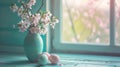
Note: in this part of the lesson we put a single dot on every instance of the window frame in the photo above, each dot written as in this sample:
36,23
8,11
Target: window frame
55,45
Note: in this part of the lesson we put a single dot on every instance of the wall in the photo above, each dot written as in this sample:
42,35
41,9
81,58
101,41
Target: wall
9,36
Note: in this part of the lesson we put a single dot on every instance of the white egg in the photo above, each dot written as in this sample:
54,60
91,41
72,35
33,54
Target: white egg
43,59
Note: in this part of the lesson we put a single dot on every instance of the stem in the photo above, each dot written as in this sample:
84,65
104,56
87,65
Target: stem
41,6
26,9
24,6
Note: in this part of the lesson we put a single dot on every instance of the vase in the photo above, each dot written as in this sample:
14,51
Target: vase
33,46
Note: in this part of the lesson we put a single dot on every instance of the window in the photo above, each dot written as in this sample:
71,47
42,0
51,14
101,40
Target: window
85,21
89,26
117,33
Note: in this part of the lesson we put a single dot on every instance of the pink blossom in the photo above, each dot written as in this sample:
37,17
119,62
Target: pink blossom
89,25
100,22
35,19
106,30
91,12
118,12
54,59
34,29
30,3
38,29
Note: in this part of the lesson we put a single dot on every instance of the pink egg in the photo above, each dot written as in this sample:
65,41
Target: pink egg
54,59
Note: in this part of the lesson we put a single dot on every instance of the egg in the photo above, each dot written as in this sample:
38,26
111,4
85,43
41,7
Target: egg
54,59
46,53
43,59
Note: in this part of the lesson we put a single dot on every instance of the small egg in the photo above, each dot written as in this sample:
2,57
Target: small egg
54,59
46,53
43,59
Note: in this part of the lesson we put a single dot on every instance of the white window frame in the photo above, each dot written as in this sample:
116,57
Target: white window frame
54,36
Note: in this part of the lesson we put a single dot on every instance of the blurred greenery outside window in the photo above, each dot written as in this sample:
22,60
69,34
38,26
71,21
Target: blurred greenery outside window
88,21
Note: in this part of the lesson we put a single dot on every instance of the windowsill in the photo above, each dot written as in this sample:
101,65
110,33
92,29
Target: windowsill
84,60
17,60
67,60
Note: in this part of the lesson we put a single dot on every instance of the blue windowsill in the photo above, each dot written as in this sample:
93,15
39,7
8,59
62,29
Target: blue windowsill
18,60
67,60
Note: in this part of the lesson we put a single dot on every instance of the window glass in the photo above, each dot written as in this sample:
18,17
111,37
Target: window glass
117,22
86,21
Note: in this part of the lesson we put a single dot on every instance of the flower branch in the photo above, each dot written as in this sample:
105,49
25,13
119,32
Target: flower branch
35,23
41,6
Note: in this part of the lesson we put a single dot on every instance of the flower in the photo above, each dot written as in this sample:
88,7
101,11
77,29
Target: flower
35,19
14,7
34,22
54,21
20,10
30,3
23,25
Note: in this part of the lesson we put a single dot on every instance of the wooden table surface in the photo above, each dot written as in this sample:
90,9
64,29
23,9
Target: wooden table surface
67,60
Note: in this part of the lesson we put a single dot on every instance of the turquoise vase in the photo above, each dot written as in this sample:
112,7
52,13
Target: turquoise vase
33,46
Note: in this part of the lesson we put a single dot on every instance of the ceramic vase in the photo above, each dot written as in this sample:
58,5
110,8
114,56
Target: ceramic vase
33,46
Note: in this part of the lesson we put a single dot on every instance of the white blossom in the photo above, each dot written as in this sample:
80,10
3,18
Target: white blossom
53,22
45,19
14,7
52,25
43,30
20,10
23,25
24,15
48,13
